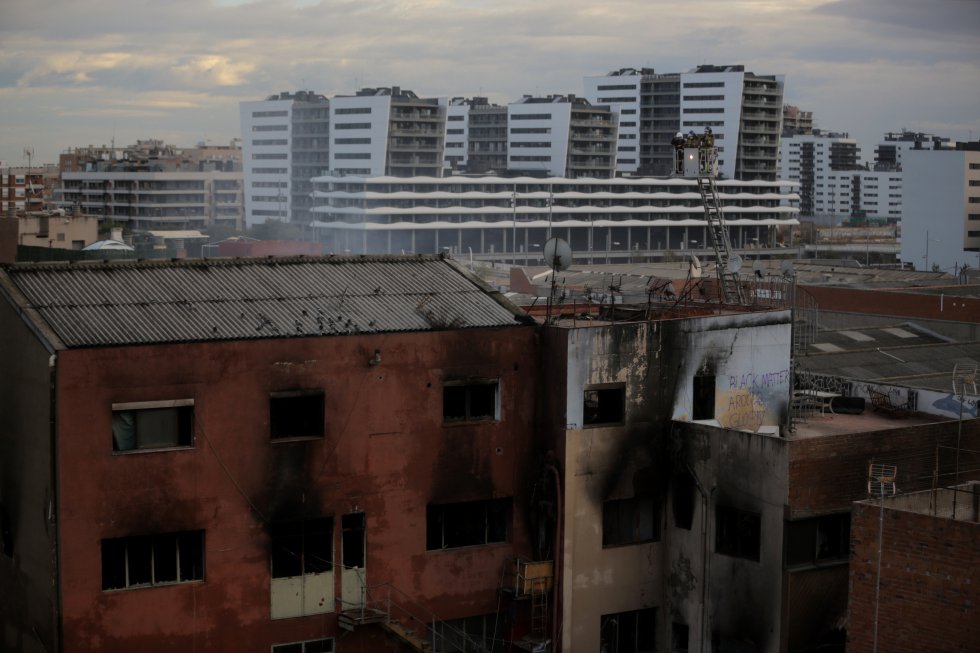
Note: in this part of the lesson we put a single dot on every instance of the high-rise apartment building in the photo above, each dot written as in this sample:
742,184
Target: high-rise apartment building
387,131
620,90
796,121
813,161
889,152
561,136
285,143
742,109
487,137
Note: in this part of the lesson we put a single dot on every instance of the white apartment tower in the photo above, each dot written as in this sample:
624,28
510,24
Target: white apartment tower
820,163
457,134
387,131
742,109
561,136
620,90
285,142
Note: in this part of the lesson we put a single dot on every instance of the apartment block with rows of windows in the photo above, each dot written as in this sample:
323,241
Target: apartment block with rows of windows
561,136
387,131
285,142
742,109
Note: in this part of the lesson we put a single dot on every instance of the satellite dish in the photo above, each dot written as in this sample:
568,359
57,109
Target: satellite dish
734,264
787,267
557,254
695,270
759,268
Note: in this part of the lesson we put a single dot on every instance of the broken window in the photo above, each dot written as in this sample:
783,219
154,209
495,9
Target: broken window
818,540
737,532
471,523
296,414
145,560
352,540
628,632
704,397
153,425
682,500
471,401
606,405
302,547
630,521
309,646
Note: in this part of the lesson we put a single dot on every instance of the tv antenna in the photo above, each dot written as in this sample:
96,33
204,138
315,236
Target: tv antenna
558,256
881,483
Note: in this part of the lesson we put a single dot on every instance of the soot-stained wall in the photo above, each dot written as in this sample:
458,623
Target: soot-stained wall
28,528
386,452
655,364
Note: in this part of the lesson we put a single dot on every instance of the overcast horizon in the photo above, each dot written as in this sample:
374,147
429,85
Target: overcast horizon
74,74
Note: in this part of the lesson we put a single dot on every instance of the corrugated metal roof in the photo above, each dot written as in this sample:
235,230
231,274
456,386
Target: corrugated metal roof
130,302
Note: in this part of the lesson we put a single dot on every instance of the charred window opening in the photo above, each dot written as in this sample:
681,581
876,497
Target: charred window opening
818,540
310,646
737,532
153,425
6,534
471,523
477,633
146,560
471,401
679,636
628,632
352,540
604,406
704,396
630,521
296,414
302,547
683,499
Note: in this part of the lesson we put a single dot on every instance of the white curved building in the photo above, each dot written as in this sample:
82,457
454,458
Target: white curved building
612,218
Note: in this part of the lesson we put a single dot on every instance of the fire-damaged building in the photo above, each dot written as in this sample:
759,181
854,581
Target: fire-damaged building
311,454
230,455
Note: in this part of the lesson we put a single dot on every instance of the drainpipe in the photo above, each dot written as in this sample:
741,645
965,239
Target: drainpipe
557,556
705,503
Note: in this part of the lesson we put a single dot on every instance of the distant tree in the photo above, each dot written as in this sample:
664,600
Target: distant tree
277,230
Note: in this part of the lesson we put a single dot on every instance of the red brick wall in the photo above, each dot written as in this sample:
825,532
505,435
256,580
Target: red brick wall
386,453
904,304
828,472
930,583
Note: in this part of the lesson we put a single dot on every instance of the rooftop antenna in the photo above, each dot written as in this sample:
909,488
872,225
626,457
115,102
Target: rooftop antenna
881,483
558,256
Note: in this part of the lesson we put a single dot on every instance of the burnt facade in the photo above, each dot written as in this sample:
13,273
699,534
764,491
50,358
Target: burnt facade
226,491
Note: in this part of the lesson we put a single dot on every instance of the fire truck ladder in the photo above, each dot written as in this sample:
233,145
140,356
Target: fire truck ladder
731,288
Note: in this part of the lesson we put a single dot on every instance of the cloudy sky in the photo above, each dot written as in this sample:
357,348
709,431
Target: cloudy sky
80,72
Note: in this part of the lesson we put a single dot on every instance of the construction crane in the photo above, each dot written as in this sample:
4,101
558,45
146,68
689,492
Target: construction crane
696,157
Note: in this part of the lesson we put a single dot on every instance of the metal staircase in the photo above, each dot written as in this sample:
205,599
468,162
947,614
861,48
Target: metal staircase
731,287
407,621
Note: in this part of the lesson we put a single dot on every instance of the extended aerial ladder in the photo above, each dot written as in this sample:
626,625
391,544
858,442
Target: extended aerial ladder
697,158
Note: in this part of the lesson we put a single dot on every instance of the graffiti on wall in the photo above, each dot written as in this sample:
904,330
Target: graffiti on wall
752,400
